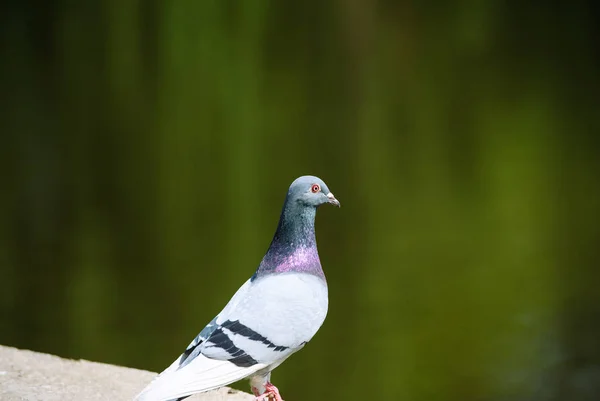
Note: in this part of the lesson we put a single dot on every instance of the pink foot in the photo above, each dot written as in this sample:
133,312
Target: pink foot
271,394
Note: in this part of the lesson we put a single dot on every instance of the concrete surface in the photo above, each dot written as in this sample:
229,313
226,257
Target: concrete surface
27,375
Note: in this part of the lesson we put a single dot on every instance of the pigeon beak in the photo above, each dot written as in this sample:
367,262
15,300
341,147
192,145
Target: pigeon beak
332,200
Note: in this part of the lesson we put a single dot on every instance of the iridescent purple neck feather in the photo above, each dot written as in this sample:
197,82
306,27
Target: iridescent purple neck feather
294,246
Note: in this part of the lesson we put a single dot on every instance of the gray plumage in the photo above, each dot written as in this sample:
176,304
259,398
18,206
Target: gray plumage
274,314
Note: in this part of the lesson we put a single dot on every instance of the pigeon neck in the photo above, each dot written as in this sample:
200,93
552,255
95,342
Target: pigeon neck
294,246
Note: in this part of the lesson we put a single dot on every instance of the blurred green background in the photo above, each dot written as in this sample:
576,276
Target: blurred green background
147,147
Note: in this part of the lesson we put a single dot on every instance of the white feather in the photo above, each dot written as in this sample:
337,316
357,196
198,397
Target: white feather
287,309
202,374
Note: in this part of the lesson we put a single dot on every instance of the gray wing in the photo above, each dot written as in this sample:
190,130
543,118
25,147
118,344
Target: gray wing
216,341
193,350
226,338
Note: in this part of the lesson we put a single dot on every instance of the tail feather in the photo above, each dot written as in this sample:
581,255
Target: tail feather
202,374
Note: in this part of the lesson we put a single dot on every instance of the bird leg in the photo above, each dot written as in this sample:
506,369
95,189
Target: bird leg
271,393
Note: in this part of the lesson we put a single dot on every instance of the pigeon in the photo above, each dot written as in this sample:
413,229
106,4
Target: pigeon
273,314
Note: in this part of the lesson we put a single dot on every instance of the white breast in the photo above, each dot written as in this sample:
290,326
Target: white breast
286,308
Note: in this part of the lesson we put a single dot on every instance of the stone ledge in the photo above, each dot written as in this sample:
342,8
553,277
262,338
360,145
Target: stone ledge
28,375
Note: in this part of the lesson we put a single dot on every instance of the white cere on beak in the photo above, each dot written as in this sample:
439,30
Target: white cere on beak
332,200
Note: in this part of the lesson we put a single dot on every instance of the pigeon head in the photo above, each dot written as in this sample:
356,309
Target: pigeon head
294,246
310,191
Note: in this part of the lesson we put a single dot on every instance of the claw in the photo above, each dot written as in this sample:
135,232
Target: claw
271,393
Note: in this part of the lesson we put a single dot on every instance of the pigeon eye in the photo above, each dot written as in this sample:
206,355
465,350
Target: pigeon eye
315,188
